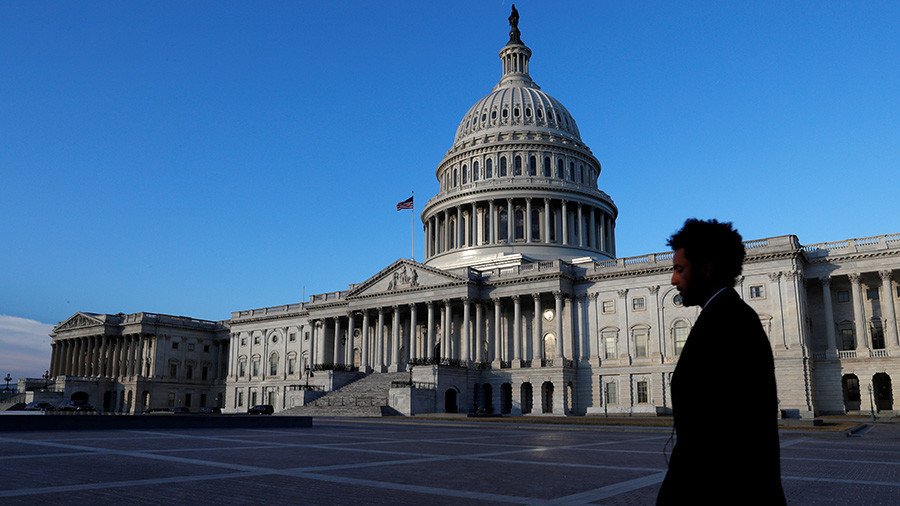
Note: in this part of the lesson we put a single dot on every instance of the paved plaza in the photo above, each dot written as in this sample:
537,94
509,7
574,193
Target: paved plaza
410,462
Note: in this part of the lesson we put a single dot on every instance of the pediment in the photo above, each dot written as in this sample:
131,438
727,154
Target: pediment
79,320
405,275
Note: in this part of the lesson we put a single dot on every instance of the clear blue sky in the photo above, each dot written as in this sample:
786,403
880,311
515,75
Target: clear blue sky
196,158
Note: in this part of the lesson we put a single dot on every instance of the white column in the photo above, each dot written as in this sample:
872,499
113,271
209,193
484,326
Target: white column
492,229
429,344
498,352
536,353
580,227
528,219
565,224
559,326
510,222
546,236
479,339
592,243
364,352
473,226
593,327
414,351
517,331
464,334
337,341
395,339
888,312
379,341
348,346
859,314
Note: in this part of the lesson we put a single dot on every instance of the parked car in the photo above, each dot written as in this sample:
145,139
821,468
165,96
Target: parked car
84,407
211,411
180,410
66,406
39,406
261,409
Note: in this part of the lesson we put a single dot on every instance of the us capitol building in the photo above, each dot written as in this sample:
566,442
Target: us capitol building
520,306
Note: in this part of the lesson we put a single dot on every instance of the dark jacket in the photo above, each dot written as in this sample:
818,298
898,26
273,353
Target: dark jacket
725,407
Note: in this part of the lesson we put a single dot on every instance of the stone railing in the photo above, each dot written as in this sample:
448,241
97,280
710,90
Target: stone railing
664,259
874,243
330,296
311,388
879,353
847,353
420,385
529,268
265,311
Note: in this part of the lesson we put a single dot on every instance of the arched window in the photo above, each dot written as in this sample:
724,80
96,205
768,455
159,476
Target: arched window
502,232
455,174
273,364
489,168
475,170
535,224
532,165
465,174
520,224
609,342
517,166
502,167
571,174
559,169
452,232
848,337
547,168
679,335
580,174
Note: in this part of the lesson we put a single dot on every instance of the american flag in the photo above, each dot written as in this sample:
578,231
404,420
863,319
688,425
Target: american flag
406,204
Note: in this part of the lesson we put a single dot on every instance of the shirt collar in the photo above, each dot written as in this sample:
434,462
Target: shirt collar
714,296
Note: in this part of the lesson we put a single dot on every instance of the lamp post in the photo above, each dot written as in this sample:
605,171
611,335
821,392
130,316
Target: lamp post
872,402
46,377
308,374
8,378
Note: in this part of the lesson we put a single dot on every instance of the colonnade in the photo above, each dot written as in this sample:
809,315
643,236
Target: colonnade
520,220
506,331
100,356
864,345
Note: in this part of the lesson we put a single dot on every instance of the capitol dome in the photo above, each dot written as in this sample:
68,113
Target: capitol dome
518,184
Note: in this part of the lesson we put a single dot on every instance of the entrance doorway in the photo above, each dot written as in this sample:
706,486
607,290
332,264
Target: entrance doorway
80,398
881,387
450,401
547,397
505,398
527,395
850,387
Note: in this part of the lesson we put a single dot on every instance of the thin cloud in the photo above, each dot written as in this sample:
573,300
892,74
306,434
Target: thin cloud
24,347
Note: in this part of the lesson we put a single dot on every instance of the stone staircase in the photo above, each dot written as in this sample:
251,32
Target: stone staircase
365,397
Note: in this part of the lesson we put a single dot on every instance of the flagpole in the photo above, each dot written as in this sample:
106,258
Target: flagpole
412,227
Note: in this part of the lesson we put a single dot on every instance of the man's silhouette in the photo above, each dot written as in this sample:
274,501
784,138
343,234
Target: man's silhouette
724,399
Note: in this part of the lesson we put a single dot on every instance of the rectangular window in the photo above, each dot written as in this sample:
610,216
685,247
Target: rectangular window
256,340
641,342
202,400
187,400
273,367
204,373
611,393
292,337
170,401
254,368
173,370
843,296
847,341
205,348
174,345
643,396
679,335
609,306
243,341
190,346
877,337
756,292
189,372
253,397
637,303
872,294
240,397
242,368
292,365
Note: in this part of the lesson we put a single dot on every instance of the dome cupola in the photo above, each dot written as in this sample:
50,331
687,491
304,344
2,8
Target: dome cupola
518,184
